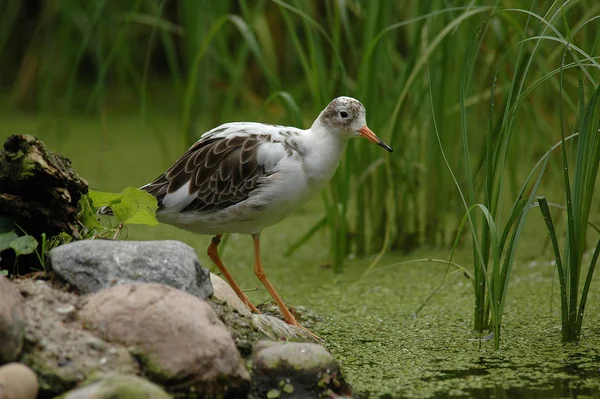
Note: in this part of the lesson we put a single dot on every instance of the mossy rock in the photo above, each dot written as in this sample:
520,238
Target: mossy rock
296,370
115,386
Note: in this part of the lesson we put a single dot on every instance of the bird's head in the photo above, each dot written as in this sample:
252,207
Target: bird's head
347,117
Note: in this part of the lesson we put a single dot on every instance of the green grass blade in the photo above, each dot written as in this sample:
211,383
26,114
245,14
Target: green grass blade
543,203
586,289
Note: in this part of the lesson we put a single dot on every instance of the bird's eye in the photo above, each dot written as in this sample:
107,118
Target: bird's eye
344,114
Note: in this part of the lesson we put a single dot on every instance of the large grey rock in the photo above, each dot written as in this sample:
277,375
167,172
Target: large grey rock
18,381
179,339
115,386
12,324
56,347
92,265
296,370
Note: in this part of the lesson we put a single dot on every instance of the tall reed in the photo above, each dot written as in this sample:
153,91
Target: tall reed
579,180
495,237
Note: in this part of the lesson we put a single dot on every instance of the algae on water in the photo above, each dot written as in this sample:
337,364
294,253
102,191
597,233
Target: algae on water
386,349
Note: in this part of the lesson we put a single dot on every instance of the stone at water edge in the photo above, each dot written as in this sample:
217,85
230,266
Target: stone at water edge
18,381
115,386
180,340
224,292
296,370
267,326
93,265
12,322
278,330
57,348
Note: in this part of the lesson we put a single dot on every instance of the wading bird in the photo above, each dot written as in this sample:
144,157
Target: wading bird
242,177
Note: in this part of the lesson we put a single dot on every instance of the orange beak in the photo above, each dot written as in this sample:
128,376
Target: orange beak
369,135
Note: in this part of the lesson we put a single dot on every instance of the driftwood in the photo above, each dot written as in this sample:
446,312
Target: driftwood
39,190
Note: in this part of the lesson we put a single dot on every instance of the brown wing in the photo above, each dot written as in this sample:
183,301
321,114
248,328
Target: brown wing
222,172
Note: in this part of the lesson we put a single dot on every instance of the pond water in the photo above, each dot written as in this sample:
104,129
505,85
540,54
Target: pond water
393,337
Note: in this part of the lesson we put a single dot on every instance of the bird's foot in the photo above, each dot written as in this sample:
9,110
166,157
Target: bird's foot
293,322
251,306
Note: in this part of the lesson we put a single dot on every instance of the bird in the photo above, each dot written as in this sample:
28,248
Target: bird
242,177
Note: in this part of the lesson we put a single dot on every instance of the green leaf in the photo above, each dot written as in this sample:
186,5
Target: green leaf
87,213
6,239
132,206
136,207
100,198
24,245
4,273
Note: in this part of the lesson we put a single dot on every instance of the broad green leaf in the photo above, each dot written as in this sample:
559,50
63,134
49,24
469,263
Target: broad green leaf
24,245
136,207
3,272
6,239
87,213
100,198
132,206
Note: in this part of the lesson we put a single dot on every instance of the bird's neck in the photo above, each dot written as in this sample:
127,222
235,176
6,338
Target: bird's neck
323,158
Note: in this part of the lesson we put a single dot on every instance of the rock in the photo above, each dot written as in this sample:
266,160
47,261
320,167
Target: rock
12,323
246,331
278,330
18,381
243,332
225,293
92,265
56,347
298,370
114,386
179,339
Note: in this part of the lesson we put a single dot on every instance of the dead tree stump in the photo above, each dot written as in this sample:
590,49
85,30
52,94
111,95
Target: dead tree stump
39,190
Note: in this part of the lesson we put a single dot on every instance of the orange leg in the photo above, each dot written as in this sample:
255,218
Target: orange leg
213,254
260,273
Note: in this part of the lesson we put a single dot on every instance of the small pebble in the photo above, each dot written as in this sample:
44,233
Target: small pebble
273,394
96,344
65,309
288,388
63,361
18,381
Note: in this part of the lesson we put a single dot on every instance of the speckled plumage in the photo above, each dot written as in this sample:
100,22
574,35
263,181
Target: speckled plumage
242,177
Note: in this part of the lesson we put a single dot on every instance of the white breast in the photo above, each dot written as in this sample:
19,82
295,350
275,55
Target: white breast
293,177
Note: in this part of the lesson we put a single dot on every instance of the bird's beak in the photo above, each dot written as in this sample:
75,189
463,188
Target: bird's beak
369,135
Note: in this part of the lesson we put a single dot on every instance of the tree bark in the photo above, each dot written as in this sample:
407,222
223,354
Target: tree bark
39,191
